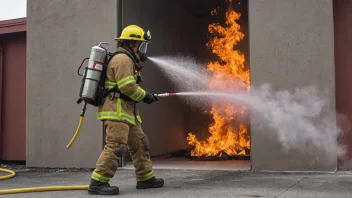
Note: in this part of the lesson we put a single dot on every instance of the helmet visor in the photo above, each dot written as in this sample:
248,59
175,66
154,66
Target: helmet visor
143,47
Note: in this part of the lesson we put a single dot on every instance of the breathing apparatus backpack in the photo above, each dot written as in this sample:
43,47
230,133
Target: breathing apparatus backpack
93,89
93,80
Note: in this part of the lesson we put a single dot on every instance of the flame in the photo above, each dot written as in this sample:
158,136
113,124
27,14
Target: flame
228,133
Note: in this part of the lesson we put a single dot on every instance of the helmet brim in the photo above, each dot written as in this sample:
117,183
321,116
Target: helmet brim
129,39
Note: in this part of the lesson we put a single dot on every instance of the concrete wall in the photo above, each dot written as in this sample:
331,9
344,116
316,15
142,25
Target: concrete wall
60,35
165,122
291,45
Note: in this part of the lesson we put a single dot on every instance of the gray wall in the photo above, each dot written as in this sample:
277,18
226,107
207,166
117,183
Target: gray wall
60,34
291,45
165,122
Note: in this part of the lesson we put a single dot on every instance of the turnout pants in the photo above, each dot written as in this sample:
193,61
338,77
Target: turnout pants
121,137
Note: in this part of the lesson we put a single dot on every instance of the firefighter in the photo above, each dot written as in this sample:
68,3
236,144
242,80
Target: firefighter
122,120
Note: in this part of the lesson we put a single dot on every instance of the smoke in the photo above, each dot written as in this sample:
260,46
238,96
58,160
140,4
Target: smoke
303,119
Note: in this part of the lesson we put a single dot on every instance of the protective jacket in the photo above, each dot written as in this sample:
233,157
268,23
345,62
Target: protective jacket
121,72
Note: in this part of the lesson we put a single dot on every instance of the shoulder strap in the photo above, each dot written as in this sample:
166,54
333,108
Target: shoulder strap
120,52
107,91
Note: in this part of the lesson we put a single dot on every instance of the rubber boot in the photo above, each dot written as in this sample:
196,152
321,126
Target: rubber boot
150,183
100,188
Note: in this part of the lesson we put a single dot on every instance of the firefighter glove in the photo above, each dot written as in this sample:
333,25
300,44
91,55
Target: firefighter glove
150,98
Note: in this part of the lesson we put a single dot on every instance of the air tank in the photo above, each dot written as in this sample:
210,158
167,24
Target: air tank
92,75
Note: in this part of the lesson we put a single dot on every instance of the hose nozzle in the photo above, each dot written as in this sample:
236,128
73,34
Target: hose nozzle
165,94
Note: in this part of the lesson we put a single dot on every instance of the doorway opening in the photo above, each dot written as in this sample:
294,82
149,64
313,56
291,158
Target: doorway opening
217,136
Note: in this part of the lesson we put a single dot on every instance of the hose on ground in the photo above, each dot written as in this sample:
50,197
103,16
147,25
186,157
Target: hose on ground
12,174
35,189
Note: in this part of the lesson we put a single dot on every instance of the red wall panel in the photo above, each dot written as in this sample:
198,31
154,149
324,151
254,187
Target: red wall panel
1,74
343,64
13,110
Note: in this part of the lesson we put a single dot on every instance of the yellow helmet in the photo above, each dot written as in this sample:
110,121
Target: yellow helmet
134,32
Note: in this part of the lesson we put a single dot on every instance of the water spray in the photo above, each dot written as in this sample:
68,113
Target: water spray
196,94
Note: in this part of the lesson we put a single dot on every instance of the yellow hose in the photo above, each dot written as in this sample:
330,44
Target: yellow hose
35,189
12,174
77,132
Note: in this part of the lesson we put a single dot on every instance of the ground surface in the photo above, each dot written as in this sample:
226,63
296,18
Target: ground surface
191,183
179,163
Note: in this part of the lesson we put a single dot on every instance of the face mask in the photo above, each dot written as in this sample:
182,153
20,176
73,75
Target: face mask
142,51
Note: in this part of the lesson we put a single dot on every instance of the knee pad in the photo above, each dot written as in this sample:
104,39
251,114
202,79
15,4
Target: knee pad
121,150
146,143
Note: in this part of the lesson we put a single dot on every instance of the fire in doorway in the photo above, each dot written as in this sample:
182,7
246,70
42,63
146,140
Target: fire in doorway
229,136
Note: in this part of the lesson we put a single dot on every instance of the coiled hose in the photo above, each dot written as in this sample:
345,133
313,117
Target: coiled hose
45,188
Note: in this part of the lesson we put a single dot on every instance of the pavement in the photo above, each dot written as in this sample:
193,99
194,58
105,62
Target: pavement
191,183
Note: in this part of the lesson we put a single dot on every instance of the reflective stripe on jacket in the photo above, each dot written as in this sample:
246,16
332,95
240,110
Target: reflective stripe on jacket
121,72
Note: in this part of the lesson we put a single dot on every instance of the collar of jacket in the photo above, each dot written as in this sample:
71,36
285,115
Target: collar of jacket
122,49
